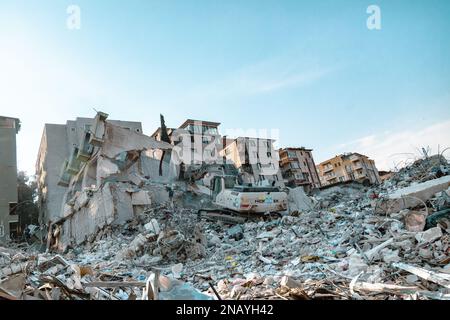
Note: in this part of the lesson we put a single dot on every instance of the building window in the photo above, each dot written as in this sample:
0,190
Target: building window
73,129
269,154
13,208
304,162
261,177
295,165
210,130
205,140
13,229
275,177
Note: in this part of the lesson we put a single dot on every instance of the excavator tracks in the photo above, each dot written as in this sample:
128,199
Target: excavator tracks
232,217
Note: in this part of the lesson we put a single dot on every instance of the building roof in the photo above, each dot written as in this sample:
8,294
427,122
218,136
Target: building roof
206,123
253,138
16,120
345,155
169,131
295,149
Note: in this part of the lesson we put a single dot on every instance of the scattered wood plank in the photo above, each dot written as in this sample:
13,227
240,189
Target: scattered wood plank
113,284
384,287
439,278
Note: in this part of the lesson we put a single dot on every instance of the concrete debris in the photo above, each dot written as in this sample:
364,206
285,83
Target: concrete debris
429,236
128,239
413,195
415,220
299,200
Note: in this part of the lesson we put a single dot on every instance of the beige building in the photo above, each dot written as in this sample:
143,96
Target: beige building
62,146
348,167
256,159
298,168
9,221
195,141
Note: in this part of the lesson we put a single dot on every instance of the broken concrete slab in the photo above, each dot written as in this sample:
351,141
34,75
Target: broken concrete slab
137,179
429,236
412,196
298,200
119,140
153,227
439,278
141,198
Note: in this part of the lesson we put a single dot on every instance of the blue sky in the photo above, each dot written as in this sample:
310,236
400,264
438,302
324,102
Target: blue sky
311,69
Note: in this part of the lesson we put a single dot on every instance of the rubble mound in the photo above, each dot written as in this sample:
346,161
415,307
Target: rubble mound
346,242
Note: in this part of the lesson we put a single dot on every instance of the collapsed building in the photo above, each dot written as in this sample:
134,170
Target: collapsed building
62,147
99,182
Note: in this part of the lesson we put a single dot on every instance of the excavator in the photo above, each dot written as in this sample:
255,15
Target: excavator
236,203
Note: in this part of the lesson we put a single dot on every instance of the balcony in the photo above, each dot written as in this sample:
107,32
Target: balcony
360,175
330,176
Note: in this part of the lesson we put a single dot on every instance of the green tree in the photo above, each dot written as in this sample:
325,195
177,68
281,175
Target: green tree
27,209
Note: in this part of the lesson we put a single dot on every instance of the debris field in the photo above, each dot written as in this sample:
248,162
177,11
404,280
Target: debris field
347,241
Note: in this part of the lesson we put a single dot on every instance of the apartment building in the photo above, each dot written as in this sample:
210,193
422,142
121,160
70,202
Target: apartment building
348,167
195,141
61,148
256,159
298,168
9,221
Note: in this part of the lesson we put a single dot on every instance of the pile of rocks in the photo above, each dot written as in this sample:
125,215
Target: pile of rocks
345,242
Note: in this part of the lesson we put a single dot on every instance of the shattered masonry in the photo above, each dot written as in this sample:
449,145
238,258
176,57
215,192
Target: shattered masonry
126,232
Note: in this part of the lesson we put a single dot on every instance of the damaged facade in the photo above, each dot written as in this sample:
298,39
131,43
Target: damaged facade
298,168
64,145
256,159
9,223
197,141
348,167
99,183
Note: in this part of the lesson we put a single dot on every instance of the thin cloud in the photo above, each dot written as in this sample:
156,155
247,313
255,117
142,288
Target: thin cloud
391,149
261,78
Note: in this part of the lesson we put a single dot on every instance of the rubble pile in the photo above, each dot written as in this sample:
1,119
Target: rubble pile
346,242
